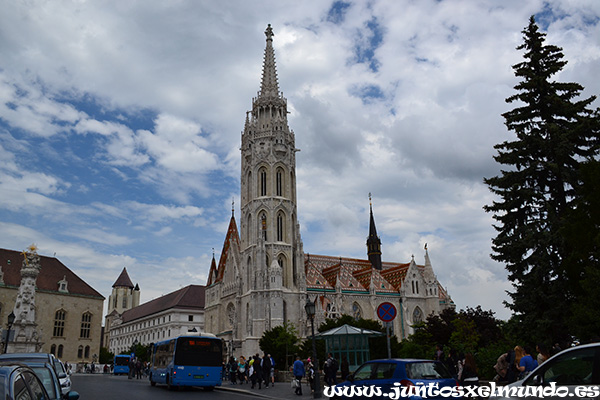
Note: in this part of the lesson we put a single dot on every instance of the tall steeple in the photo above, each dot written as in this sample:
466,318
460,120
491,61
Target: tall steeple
373,241
269,87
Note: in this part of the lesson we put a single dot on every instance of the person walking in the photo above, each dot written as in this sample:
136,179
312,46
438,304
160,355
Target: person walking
299,373
256,374
266,369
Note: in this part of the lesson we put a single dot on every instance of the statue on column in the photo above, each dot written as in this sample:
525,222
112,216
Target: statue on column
26,336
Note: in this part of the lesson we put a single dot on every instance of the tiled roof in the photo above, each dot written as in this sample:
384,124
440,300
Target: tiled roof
190,297
323,272
51,273
231,238
123,280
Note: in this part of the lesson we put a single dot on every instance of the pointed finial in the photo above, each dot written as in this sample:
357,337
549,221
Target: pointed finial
425,246
269,32
232,207
213,249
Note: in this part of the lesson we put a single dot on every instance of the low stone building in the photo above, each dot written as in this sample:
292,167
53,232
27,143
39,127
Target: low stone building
178,313
68,311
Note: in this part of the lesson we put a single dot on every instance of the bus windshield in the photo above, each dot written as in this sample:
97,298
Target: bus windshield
198,351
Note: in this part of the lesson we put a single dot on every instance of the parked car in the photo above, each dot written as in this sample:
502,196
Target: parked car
37,361
20,382
574,371
385,373
65,382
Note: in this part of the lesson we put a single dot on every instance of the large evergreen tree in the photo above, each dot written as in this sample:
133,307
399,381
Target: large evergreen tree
538,187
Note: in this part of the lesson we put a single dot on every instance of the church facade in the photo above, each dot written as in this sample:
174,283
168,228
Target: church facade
264,278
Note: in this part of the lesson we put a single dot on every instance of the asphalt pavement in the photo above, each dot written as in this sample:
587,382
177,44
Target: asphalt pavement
281,390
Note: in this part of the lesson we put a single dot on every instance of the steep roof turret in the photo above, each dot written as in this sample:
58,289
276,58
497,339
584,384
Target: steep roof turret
123,280
373,241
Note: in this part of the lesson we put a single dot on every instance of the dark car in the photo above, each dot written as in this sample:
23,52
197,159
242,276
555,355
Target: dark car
20,382
45,366
381,378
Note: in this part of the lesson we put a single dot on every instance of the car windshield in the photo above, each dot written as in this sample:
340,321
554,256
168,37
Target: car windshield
46,377
427,370
375,370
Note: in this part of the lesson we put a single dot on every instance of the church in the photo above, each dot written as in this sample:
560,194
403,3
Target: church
264,278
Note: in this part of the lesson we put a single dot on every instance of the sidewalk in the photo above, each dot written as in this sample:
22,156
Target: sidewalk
281,390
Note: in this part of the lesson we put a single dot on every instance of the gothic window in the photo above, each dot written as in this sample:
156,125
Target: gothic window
87,351
417,315
280,230
263,225
356,311
124,302
80,352
249,187
263,182
248,225
417,286
413,286
53,349
115,301
59,323
279,182
60,351
86,325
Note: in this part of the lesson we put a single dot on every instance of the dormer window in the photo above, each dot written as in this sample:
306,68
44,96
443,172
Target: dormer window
63,285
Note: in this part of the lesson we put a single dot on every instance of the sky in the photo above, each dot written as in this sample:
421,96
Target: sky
121,121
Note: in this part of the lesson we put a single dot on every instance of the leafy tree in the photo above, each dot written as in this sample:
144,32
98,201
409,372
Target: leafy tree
282,343
106,357
538,188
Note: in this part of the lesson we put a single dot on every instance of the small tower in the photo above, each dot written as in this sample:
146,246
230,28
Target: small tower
125,295
373,241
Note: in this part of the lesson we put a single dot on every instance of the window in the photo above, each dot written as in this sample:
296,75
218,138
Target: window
263,182
280,227
190,318
86,326
417,316
53,349
124,302
60,351
279,183
59,323
115,302
87,351
263,225
80,352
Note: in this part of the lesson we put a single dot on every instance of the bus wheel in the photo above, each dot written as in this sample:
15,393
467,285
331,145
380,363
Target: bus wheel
152,383
169,386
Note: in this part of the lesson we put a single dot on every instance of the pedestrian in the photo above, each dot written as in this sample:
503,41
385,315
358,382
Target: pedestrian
451,363
266,369
299,373
543,353
469,376
311,375
232,370
242,370
330,369
345,368
527,363
272,372
257,372
439,353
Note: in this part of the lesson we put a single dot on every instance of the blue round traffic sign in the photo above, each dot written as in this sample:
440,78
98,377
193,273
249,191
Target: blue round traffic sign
386,312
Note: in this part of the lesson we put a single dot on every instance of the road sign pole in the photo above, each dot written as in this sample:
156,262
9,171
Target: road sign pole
387,333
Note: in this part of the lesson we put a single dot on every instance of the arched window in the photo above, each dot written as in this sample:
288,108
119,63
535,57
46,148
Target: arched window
60,351
87,351
80,352
417,315
279,182
125,302
59,323
280,229
356,311
263,225
53,349
263,182
86,325
249,187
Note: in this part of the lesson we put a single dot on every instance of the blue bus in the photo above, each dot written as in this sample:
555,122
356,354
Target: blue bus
121,364
188,361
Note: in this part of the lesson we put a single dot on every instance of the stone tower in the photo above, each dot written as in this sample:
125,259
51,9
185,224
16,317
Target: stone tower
264,285
124,296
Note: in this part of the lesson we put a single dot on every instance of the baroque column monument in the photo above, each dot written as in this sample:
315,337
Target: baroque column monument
26,338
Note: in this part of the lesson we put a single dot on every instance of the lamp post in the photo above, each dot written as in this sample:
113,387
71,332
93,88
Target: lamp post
11,321
310,312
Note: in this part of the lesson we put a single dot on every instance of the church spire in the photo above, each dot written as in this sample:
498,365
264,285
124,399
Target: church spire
373,241
269,87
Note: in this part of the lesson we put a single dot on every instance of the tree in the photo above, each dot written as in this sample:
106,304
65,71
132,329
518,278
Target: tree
282,343
539,187
106,357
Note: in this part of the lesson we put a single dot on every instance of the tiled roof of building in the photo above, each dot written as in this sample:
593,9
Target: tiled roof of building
231,238
51,273
190,297
123,280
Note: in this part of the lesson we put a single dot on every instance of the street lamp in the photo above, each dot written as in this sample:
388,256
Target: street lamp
311,311
11,321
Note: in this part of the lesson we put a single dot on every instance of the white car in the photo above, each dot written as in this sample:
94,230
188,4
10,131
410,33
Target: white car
65,381
574,372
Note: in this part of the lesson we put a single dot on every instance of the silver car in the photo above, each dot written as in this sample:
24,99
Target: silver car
574,372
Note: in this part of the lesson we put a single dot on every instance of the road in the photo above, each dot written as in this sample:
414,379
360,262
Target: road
101,386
